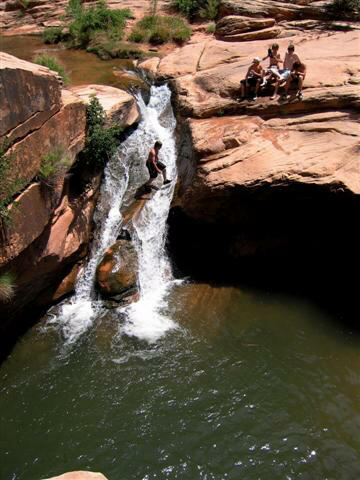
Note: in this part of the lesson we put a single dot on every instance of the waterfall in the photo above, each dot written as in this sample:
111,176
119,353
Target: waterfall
144,319
147,319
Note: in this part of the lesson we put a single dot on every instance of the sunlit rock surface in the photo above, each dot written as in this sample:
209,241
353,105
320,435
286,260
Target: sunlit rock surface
120,107
79,476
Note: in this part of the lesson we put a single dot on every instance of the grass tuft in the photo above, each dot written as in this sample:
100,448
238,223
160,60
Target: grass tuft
10,184
52,63
7,287
52,35
160,29
211,28
53,166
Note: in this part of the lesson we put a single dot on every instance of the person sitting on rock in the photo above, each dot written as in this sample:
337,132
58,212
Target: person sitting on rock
272,73
298,74
289,60
253,78
155,167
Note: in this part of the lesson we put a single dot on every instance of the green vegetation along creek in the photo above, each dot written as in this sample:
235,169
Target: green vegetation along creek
250,385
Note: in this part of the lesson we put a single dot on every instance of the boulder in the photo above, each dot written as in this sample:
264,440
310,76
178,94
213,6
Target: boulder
79,476
116,274
279,10
120,107
234,25
263,34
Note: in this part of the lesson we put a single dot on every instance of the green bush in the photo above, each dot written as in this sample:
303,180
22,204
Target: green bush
101,141
53,165
87,21
107,47
52,63
7,287
53,35
210,10
211,28
160,29
344,9
187,7
24,4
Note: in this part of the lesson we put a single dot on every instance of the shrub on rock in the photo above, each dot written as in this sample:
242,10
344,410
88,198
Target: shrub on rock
160,29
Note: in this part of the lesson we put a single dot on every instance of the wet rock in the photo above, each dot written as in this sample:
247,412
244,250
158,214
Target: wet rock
116,274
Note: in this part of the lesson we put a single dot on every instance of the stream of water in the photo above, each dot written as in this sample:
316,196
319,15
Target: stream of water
190,382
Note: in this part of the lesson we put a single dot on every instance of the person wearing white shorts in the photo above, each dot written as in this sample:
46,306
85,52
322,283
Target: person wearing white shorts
289,60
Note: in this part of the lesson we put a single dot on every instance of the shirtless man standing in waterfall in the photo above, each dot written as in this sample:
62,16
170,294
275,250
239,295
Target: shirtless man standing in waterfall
155,167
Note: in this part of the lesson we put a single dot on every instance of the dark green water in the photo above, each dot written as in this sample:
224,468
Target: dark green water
252,385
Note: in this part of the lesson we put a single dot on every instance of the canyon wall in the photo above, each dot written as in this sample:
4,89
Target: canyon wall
46,225
268,189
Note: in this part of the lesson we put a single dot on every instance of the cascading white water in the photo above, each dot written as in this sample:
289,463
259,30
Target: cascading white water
145,319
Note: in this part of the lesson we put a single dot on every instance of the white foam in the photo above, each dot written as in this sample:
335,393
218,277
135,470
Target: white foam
146,319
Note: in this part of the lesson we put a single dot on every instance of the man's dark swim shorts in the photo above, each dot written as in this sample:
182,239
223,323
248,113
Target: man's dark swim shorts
152,170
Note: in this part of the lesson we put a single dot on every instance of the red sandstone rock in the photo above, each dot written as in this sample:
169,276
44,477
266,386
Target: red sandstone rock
263,34
79,476
120,107
274,9
65,129
248,153
117,271
213,86
29,214
235,25
29,95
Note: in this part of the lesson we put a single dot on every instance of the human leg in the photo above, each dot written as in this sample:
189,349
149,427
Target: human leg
300,86
242,88
162,167
277,84
257,86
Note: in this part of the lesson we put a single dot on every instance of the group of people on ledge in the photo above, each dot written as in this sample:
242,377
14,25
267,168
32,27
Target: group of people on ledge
292,71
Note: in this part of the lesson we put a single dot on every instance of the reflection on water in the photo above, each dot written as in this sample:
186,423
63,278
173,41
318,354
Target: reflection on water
82,67
252,385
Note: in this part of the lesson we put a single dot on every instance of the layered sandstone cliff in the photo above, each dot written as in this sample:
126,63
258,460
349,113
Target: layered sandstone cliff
270,182
46,226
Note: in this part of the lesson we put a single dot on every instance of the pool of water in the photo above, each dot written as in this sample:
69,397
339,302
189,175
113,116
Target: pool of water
82,67
249,385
